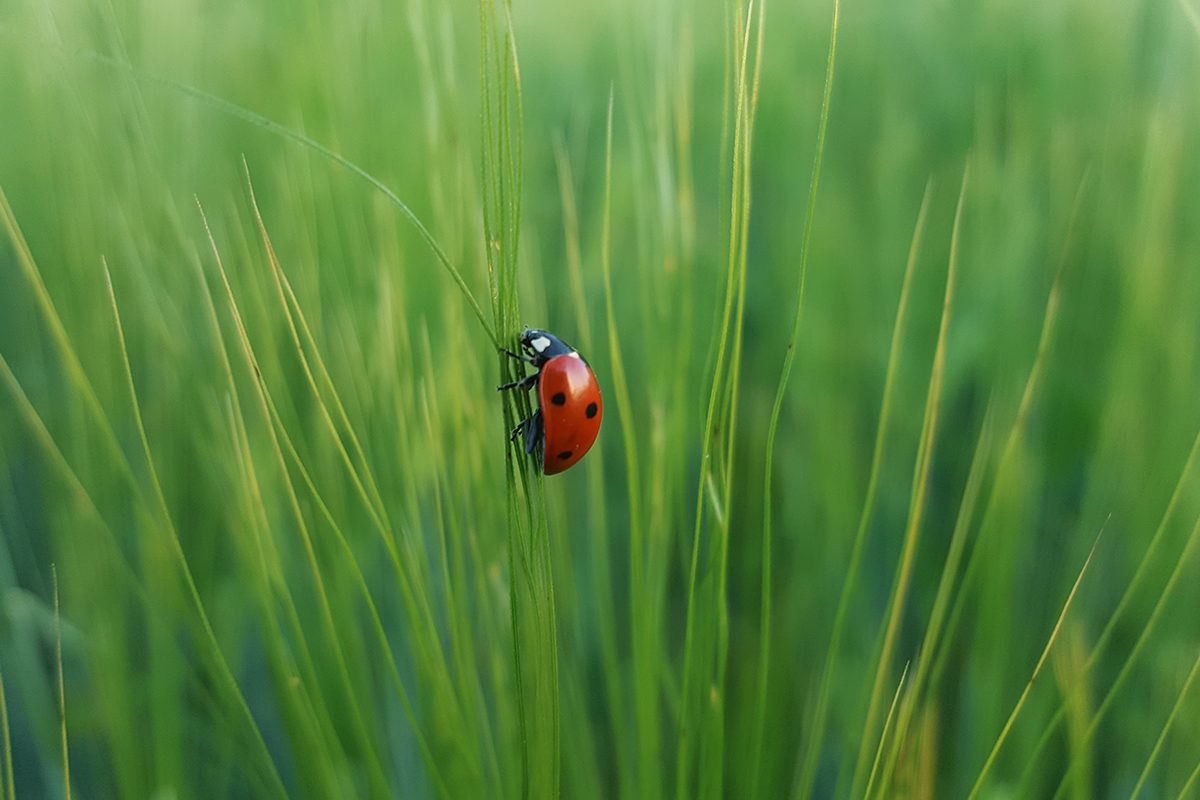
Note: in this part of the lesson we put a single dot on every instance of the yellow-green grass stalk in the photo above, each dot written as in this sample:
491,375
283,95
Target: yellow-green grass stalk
1140,574
10,785
1187,684
375,774
1004,471
920,482
987,765
62,692
1127,666
419,619
599,551
1189,783
887,729
737,250
699,613
269,774
816,732
378,515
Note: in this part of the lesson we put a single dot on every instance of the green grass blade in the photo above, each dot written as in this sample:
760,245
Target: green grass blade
375,772
1127,666
284,132
79,378
720,386
62,692
9,783
764,644
958,539
816,734
887,728
1139,575
1187,684
1189,783
987,765
1011,445
921,468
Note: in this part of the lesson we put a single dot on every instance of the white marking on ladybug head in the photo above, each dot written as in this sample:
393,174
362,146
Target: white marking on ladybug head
574,354
540,343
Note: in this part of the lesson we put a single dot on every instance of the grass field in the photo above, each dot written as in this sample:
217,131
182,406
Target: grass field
896,493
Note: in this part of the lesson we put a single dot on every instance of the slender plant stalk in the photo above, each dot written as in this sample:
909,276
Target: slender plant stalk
685,732
1187,684
9,783
1143,637
816,733
284,132
887,727
765,619
79,378
738,250
987,765
738,246
645,703
962,525
374,765
1189,783
1102,641
916,507
62,693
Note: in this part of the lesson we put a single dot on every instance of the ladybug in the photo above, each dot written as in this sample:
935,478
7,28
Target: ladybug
569,410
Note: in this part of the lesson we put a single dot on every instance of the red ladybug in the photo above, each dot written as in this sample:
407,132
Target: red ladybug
569,407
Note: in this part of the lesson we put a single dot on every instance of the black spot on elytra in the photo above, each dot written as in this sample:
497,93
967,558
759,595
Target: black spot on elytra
591,410
564,455
559,399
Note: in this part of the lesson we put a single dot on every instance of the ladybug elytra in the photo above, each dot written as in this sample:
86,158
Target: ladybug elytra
569,411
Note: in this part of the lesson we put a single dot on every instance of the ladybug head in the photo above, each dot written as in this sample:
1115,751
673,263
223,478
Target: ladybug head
542,346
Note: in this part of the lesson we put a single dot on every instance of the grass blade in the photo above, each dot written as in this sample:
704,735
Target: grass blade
765,622
62,693
1139,575
987,765
887,727
284,132
816,733
1187,684
921,468
79,378
1143,637
9,782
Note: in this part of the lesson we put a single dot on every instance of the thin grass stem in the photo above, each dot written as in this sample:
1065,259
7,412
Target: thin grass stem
62,692
887,727
10,783
816,733
1187,684
921,468
987,765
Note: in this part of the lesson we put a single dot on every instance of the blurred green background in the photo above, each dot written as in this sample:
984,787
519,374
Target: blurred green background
323,574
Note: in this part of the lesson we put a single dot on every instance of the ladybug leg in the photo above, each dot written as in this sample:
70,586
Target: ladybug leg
525,383
535,430
508,352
